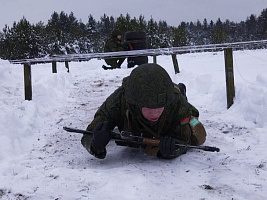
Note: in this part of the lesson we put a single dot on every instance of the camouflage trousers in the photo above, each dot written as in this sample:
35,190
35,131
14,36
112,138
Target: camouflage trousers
115,63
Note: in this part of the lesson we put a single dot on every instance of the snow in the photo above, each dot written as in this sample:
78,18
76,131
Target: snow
38,160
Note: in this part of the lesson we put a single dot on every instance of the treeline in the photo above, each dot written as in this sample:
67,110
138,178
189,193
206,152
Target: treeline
65,34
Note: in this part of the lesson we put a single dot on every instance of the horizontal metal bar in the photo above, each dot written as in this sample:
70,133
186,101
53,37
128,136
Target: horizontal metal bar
144,52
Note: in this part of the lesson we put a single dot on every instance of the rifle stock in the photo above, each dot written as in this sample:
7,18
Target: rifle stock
128,137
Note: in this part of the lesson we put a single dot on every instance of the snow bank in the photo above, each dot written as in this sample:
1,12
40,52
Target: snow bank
251,102
22,120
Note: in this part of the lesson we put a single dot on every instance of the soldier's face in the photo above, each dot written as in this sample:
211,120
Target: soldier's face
152,114
119,37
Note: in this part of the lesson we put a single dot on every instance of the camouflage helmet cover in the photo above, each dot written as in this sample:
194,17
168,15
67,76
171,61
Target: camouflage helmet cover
149,85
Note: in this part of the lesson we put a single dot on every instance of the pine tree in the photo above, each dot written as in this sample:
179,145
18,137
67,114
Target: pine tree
199,33
205,24
153,40
5,43
134,25
251,28
54,35
142,23
263,24
20,41
123,24
39,30
180,35
106,26
219,34
164,34
205,32
92,36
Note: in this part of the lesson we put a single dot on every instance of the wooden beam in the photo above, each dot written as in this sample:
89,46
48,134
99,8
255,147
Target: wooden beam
67,65
27,81
229,74
54,67
155,59
175,64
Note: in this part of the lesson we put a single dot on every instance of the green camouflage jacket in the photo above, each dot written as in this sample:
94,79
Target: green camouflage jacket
113,45
127,117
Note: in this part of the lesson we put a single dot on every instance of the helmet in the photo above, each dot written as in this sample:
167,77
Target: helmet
149,85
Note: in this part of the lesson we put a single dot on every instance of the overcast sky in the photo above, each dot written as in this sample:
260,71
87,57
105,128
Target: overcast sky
172,11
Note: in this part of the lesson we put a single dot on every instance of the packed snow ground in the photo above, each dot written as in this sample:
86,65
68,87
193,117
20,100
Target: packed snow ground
38,160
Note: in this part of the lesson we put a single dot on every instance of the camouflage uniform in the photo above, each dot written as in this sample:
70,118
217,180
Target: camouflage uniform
113,45
121,111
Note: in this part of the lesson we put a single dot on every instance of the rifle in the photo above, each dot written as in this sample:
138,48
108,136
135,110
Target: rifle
126,136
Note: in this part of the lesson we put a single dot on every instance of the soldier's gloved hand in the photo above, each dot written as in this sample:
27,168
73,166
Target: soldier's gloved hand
167,146
101,137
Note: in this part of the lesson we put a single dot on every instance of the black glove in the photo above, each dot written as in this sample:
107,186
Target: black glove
168,150
101,137
167,146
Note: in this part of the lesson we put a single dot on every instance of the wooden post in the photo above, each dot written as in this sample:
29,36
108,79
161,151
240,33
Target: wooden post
54,67
229,74
67,65
155,59
27,81
175,64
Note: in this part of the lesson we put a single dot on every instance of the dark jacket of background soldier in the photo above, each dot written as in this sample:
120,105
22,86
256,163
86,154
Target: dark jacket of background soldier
128,117
114,44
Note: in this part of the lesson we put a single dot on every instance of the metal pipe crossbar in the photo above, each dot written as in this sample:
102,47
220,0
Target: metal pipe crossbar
145,52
